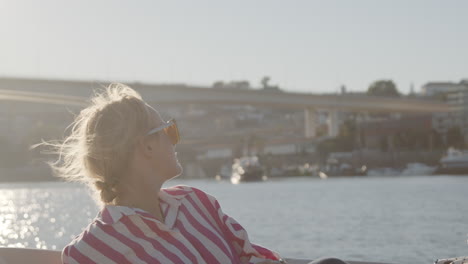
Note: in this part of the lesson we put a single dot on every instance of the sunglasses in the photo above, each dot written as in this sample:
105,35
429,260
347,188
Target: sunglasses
171,130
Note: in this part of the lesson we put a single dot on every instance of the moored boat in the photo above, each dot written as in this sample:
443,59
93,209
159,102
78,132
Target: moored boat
455,162
247,169
334,167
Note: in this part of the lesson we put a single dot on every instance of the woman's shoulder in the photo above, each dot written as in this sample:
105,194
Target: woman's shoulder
80,243
97,238
96,234
97,243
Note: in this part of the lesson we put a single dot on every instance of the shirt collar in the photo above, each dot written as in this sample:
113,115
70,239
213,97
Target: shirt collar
170,199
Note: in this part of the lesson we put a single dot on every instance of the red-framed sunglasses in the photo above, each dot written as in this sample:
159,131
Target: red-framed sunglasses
170,128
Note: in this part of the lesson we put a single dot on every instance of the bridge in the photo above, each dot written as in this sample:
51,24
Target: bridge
76,93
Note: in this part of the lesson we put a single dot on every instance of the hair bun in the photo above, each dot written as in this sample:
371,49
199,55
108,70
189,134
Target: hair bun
107,192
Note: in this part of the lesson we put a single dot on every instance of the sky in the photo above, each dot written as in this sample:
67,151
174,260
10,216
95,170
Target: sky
304,46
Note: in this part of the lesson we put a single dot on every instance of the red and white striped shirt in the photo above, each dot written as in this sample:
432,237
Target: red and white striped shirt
195,231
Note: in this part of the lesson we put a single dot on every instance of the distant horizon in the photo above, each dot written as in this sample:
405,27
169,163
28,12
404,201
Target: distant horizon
303,46
257,87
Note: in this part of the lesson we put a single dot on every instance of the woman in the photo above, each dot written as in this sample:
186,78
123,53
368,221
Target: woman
122,148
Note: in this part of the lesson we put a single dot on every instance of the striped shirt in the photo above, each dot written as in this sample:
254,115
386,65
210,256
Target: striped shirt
195,230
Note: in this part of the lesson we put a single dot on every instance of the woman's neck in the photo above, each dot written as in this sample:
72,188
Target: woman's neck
143,198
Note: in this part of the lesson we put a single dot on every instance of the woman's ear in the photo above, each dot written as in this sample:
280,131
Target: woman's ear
145,147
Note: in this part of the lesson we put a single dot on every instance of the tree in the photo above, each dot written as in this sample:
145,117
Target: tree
218,84
265,81
386,88
267,87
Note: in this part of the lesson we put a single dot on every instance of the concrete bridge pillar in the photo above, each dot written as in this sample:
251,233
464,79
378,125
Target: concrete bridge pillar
333,125
310,124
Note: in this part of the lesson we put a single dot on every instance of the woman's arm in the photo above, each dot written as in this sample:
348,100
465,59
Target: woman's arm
235,233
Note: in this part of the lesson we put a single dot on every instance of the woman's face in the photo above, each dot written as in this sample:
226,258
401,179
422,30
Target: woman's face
164,159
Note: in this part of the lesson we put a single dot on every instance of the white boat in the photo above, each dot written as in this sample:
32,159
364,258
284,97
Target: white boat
417,169
455,162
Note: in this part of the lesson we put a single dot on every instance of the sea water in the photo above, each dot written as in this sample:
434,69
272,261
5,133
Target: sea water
388,219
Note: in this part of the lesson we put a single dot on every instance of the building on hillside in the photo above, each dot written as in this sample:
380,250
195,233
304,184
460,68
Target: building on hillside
434,88
455,94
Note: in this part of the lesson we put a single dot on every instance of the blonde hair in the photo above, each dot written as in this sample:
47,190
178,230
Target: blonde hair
102,140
